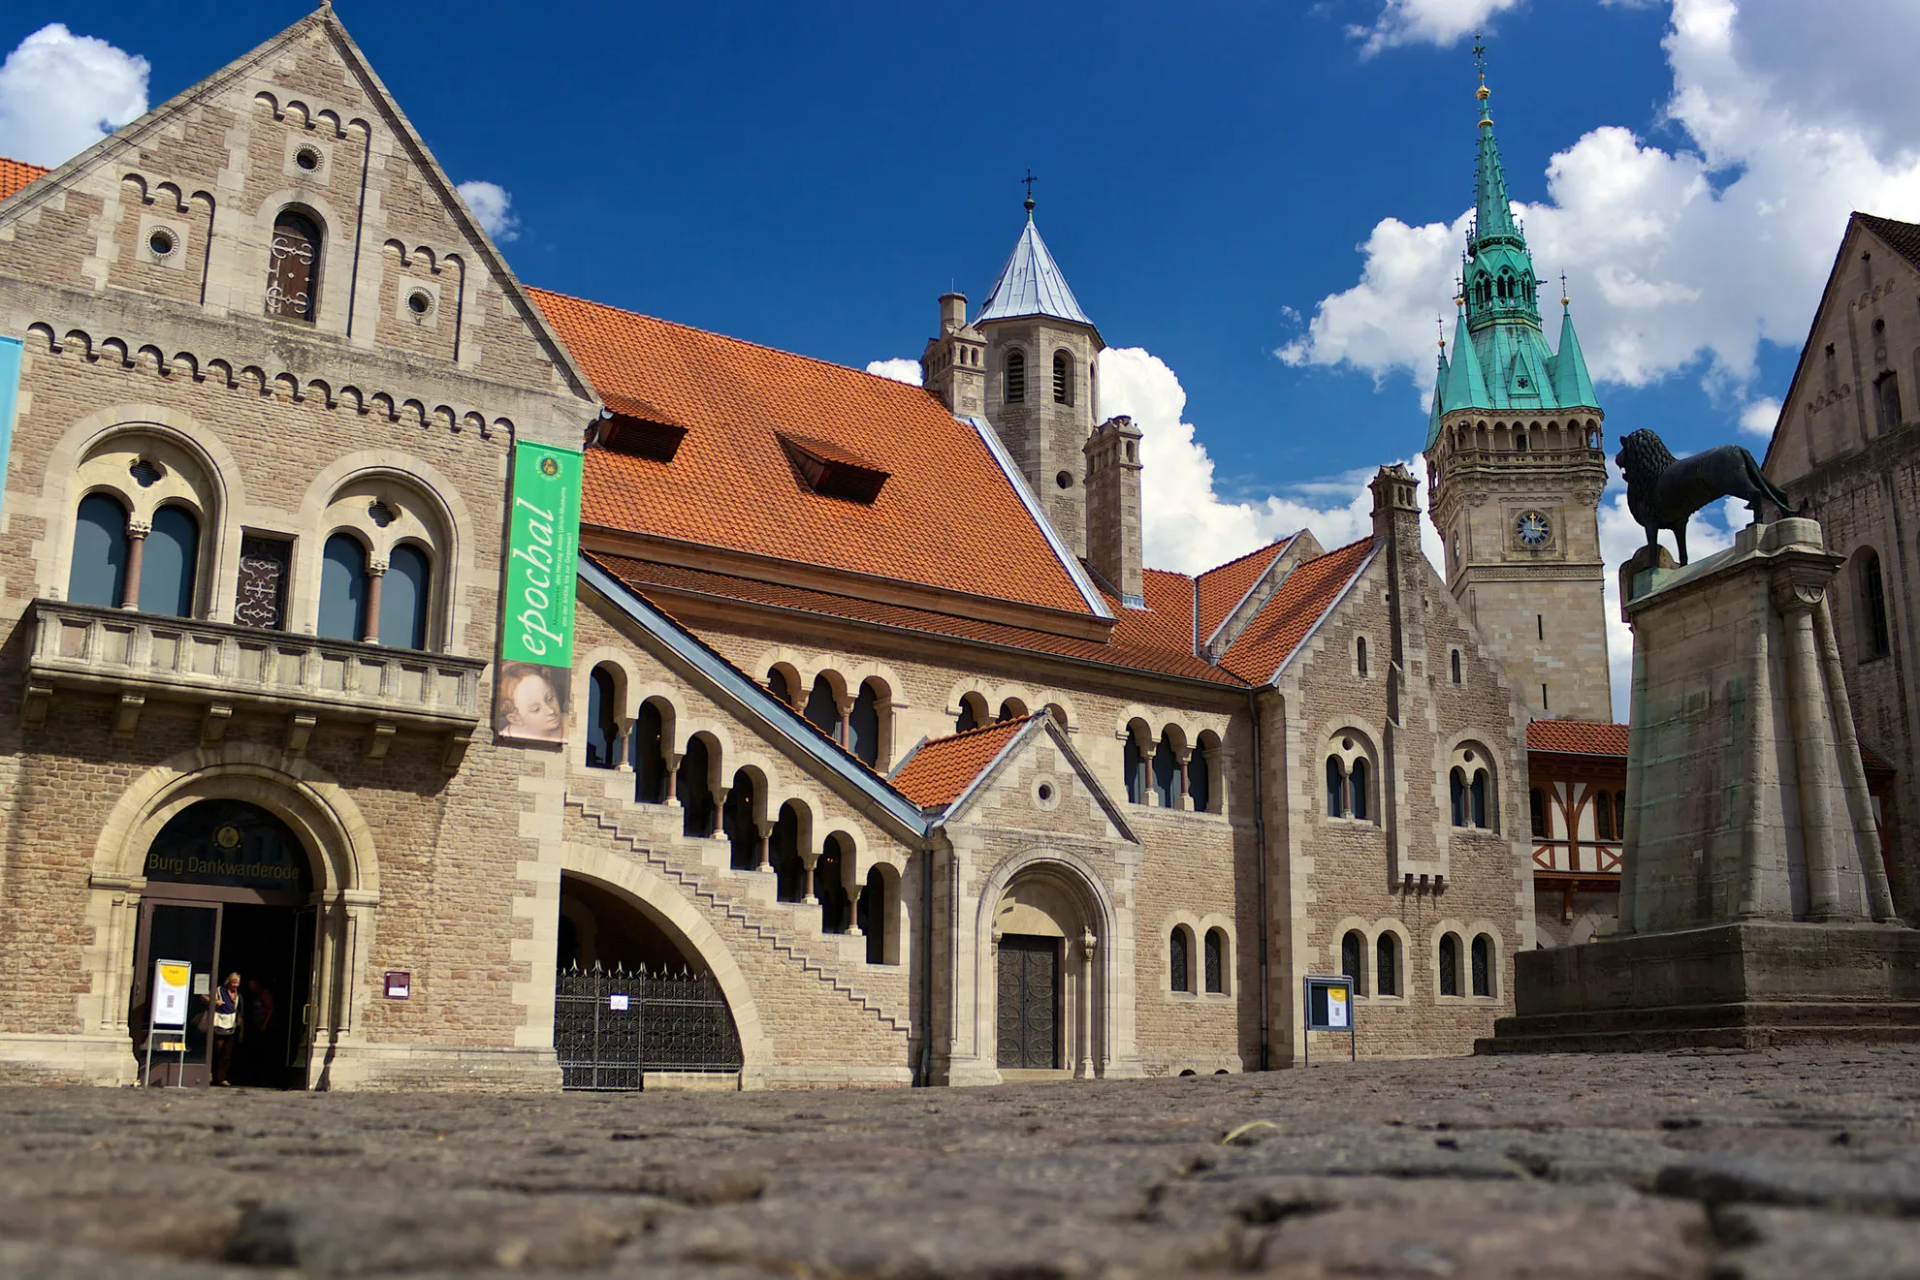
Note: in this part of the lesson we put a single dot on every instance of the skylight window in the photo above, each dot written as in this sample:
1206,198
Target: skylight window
833,471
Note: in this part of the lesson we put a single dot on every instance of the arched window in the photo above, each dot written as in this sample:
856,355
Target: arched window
1016,376
169,562
343,589
1470,784
790,873
736,822
1352,948
777,685
404,596
1457,790
1215,952
873,915
1886,400
1874,605
1336,788
1619,815
1011,709
823,709
293,267
1480,789
973,713
1449,965
1386,965
1134,761
1199,780
603,719
1360,656
1357,789
1482,957
863,726
1166,773
1537,812
1456,666
649,753
693,788
1603,816
1179,962
1062,378
830,886
99,573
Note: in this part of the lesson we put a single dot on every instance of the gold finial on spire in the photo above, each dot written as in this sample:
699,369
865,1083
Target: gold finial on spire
1564,299
1440,323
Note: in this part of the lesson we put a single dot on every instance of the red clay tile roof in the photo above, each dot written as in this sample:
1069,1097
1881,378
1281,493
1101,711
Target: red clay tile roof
1284,621
1167,621
946,517
15,174
935,775
1224,586
1578,737
1132,644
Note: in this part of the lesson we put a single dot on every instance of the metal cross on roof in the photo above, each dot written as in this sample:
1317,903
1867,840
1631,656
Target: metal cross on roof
1479,55
1029,180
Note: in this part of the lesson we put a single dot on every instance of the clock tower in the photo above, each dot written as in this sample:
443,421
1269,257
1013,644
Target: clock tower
1516,466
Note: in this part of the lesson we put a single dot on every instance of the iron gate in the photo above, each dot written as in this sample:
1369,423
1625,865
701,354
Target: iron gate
609,1027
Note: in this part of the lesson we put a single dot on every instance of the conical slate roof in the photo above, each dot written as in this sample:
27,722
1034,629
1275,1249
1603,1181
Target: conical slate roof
1031,285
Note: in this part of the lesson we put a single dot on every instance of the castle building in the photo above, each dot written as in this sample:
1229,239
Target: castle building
526,692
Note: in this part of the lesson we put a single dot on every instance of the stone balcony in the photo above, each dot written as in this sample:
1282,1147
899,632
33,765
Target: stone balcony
222,668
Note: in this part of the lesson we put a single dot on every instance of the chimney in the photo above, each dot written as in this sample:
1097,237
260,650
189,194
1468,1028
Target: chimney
1113,508
1396,510
953,313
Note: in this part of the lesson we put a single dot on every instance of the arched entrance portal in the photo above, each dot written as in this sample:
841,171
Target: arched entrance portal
1046,985
229,890
632,998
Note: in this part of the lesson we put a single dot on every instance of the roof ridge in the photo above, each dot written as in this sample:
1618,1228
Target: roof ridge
976,731
726,337
1172,573
1228,564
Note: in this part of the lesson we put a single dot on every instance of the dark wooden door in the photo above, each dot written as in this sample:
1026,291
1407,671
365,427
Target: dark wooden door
1029,1001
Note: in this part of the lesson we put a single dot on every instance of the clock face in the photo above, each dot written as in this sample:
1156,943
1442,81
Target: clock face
1533,528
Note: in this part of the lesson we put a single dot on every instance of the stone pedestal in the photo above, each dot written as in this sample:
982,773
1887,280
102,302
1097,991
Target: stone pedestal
1754,906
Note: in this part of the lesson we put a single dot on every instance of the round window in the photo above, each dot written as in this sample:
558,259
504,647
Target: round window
420,302
1064,480
161,242
307,158
1046,791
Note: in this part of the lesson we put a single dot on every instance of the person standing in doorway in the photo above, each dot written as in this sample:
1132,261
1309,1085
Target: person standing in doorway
224,1028
257,1045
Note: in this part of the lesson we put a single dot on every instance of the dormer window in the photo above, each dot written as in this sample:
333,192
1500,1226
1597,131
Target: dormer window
640,437
293,267
833,471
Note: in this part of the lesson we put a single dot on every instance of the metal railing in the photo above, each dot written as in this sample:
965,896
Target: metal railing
611,1027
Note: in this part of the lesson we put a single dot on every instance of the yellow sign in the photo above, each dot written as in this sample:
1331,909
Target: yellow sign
1337,1007
174,975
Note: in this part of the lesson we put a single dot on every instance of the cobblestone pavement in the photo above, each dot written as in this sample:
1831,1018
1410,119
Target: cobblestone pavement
1791,1163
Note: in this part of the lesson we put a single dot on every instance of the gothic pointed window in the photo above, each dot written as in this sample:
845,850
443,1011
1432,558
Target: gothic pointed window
1016,377
1874,599
1062,378
293,267
99,573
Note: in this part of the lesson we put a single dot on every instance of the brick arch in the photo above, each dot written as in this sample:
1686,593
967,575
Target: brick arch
664,905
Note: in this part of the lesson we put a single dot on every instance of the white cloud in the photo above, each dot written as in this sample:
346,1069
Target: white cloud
1759,417
1438,22
492,208
1660,245
899,369
1186,524
61,93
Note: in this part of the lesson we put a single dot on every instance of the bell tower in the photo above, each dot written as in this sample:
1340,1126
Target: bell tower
1515,466
1040,392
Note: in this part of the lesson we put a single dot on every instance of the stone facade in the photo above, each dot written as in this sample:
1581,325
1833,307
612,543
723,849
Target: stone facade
1157,839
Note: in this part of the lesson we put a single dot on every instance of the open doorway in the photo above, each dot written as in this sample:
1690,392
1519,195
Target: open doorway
229,891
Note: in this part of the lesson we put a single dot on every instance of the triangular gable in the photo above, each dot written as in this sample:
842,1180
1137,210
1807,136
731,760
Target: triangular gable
1015,747
150,129
1289,619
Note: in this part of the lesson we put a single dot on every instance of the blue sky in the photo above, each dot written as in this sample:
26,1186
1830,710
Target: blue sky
1261,198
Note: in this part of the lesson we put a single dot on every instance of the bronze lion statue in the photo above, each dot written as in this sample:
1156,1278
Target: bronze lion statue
1664,491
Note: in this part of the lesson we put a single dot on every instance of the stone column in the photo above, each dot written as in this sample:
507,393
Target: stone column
766,848
376,575
810,861
1186,798
137,531
622,746
1796,599
672,764
853,911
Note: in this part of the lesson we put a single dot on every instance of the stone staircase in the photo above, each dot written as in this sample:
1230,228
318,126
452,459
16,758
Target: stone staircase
751,917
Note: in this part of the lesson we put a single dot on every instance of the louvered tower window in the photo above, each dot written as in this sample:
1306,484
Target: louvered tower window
1016,377
293,267
1062,378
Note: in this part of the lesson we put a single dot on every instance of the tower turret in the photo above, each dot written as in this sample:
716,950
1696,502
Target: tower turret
953,366
1040,391
1515,465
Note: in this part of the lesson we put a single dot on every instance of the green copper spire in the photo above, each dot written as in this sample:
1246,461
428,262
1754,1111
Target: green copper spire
1500,280
1493,208
1466,385
1571,385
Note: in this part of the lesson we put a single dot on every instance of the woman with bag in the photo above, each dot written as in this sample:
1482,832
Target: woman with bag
224,1027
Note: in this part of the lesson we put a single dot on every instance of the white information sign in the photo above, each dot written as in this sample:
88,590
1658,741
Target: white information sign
617,1003
171,981
1337,1008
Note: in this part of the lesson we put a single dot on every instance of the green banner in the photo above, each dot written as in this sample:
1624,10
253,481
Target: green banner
536,635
